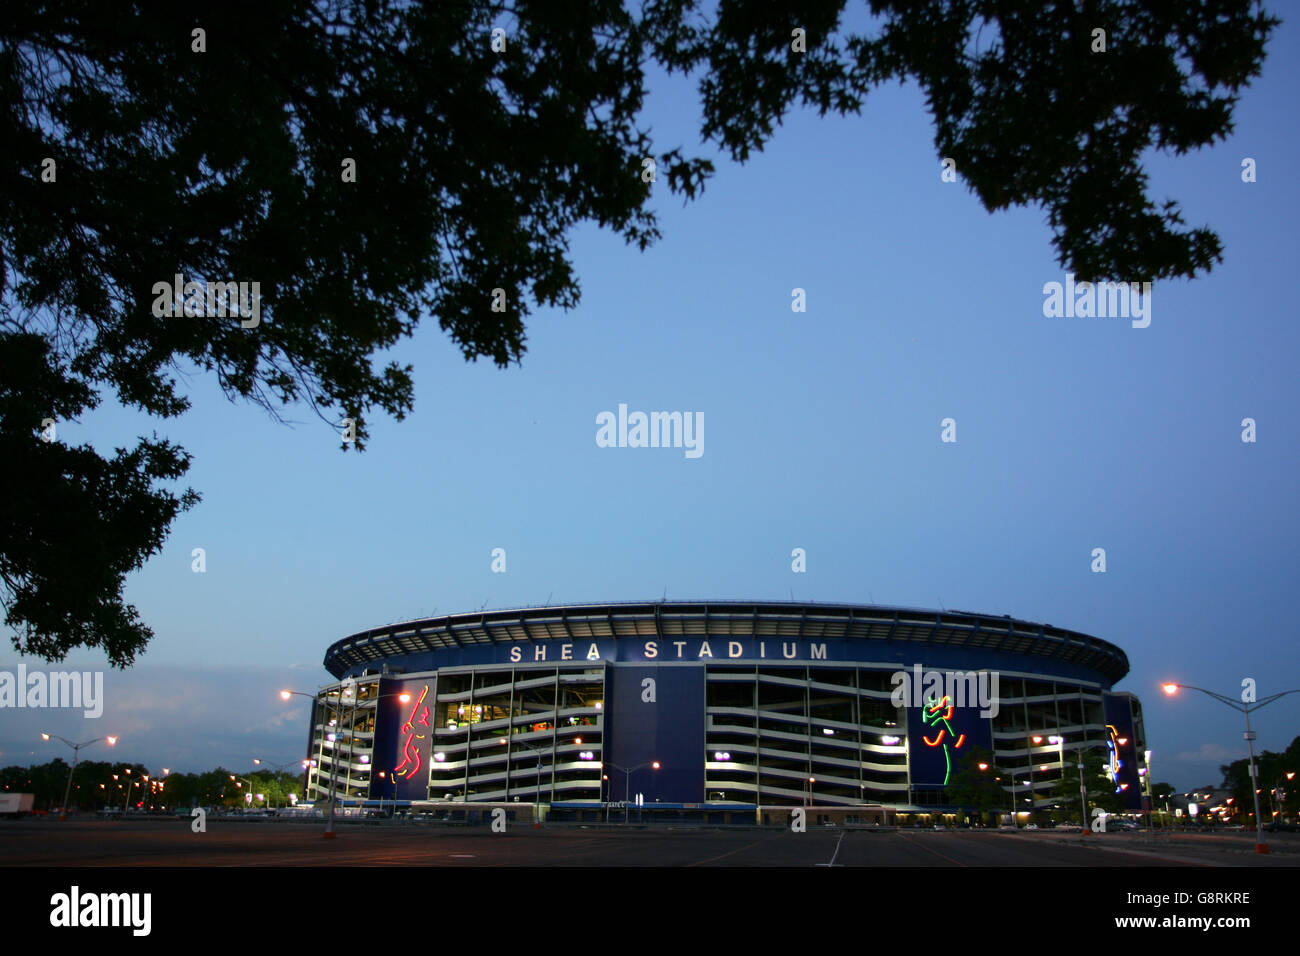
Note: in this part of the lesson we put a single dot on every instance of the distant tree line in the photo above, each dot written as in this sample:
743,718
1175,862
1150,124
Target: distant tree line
988,791
98,785
1277,794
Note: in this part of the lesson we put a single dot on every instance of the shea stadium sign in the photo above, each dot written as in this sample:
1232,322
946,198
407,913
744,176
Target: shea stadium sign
666,650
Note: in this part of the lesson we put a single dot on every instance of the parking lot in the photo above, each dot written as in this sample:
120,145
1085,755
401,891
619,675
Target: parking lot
273,842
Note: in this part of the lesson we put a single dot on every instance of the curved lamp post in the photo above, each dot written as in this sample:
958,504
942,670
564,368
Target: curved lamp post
627,779
334,758
1245,708
76,750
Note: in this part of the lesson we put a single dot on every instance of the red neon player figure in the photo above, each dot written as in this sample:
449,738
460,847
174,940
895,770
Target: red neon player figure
411,750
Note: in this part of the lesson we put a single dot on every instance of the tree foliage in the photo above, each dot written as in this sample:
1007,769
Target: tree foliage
99,784
1100,788
132,157
980,789
1277,792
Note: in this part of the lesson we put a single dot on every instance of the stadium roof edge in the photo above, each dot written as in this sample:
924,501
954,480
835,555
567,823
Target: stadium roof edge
381,642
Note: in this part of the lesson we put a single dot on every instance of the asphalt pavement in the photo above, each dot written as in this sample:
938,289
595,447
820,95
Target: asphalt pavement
118,843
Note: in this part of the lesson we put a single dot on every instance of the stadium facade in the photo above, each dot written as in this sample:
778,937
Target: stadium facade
717,710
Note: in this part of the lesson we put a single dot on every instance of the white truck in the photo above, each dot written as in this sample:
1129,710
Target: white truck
16,804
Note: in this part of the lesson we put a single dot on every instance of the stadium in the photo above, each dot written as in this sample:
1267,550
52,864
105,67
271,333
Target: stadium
720,711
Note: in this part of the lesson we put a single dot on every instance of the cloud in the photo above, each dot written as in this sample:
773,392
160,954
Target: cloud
1212,753
188,718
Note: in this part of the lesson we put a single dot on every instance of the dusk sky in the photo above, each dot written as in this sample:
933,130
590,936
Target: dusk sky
822,432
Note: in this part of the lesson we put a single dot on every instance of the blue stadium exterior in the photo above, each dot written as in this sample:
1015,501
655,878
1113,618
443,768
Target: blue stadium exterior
717,711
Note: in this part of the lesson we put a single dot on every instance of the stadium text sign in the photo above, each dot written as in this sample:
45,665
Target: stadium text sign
665,650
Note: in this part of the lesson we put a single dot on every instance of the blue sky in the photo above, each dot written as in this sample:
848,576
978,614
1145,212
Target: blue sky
822,431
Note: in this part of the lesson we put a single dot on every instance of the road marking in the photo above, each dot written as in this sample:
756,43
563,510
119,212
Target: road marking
836,854
461,856
1185,861
935,852
723,856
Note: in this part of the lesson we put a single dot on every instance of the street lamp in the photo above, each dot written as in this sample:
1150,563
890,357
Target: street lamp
997,779
979,811
330,833
343,691
627,780
1148,799
1083,785
276,768
1279,794
1245,708
251,796
537,786
127,785
76,755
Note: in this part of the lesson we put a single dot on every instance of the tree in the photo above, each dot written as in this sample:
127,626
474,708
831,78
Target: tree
1159,802
358,166
972,787
1277,791
1100,788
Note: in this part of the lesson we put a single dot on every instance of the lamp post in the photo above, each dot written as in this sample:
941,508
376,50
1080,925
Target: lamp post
1013,802
1147,803
338,720
251,796
330,833
349,689
1059,740
537,787
76,755
627,780
1249,736
1280,794
1083,785
129,784
276,768
979,810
